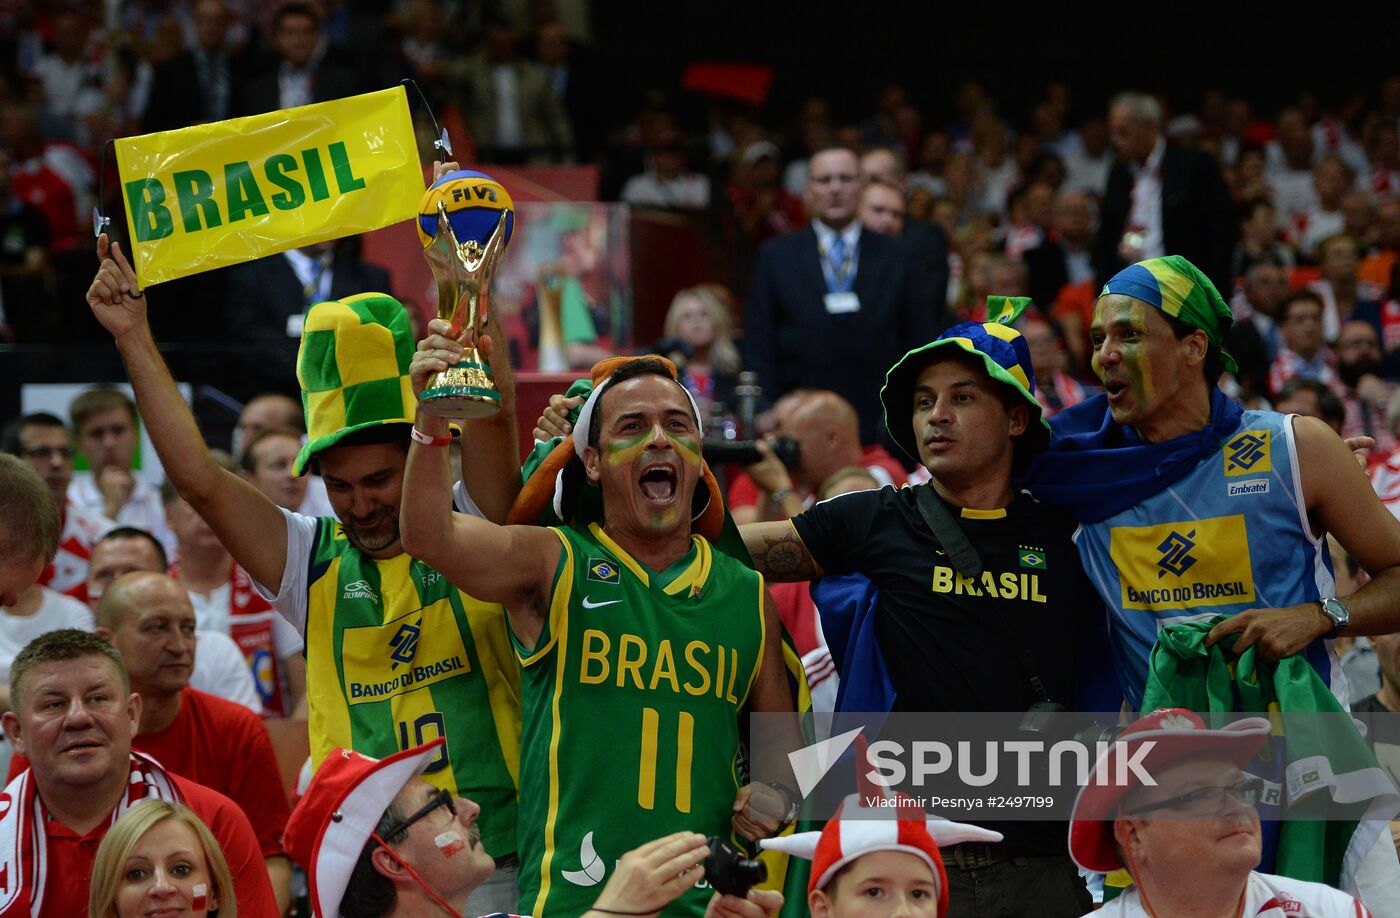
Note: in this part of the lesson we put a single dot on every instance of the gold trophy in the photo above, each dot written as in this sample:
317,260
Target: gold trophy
465,222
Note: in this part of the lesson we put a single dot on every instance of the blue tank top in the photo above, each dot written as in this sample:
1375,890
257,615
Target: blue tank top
1230,536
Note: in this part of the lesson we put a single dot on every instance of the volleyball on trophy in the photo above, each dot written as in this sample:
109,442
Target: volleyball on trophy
465,222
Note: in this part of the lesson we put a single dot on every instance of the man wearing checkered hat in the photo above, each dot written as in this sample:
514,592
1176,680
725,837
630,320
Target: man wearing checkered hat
977,587
396,655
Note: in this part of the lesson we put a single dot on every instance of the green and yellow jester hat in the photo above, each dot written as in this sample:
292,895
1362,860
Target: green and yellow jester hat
353,370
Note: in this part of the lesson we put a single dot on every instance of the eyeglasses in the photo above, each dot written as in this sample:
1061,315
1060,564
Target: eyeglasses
44,452
441,798
1207,801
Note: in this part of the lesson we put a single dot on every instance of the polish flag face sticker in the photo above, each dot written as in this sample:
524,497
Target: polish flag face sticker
201,897
450,843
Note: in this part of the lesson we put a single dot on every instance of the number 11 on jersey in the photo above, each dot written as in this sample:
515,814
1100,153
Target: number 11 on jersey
646,771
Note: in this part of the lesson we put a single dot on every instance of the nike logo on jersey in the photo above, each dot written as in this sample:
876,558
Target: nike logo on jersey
588,603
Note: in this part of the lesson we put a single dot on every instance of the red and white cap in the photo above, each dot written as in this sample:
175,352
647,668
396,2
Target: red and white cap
1176,734
857,830
340,810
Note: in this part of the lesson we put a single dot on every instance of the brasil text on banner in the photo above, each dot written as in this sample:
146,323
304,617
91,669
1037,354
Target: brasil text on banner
217,194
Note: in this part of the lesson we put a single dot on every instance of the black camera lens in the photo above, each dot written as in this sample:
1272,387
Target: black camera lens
729,872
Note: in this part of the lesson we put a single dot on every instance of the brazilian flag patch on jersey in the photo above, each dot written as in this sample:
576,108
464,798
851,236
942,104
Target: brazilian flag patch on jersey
602,571
1032,557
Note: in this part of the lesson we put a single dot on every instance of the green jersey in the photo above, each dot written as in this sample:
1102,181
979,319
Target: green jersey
397,656
632,697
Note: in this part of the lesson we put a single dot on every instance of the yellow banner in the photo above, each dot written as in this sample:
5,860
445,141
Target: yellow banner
217,194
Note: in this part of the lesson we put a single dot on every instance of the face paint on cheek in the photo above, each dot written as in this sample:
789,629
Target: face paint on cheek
200,897
450,843
621,452
687,447
1135,360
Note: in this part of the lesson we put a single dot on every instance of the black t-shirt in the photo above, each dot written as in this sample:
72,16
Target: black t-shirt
951,644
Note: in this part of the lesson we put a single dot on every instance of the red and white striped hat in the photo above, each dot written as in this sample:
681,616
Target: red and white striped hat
857,830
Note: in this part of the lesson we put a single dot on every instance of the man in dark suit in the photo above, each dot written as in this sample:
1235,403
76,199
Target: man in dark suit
1161,199
1064,257
830,306
196,85
304,69
268,297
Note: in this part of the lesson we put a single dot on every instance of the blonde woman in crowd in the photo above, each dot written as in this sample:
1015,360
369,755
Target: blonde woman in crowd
160,856
698,338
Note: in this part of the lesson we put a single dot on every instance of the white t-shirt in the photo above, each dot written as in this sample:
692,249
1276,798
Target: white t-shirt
219,669
144,510
1265,896
290,596
55,611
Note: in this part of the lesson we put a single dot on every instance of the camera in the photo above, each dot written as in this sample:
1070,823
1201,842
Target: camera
1039,716
745,452
729,872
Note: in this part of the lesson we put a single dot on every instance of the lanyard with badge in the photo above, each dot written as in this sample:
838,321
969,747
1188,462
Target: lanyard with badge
840,275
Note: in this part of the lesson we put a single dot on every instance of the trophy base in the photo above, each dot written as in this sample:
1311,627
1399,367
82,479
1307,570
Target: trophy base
460,404
463,392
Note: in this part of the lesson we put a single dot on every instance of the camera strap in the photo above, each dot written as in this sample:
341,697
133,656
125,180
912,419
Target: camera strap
968,563
947,531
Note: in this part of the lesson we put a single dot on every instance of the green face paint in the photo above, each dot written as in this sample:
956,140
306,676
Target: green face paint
621,452
1124,319
1135,356
688,447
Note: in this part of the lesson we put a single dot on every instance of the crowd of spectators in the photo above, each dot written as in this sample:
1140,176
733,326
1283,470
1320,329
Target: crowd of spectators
849,243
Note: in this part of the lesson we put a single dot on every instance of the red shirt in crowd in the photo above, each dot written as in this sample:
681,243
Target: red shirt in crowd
71,856
224,747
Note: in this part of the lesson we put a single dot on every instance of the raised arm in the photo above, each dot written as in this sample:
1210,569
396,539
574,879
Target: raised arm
489,446
512,565
249,525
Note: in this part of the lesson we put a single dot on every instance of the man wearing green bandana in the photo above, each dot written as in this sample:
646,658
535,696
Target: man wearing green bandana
999,634
396,656
1192,508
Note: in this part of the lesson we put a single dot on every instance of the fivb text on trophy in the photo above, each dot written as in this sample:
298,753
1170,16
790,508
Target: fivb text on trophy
465,222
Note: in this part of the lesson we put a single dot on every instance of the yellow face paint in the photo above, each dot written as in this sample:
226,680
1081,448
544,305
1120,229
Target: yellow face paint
1125,319
621,452
687,447
1135,355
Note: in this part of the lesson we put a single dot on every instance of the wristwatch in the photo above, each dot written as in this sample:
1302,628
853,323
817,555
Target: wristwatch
793,800
1336,612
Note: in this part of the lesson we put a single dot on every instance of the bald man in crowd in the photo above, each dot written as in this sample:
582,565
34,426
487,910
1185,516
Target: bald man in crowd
827,433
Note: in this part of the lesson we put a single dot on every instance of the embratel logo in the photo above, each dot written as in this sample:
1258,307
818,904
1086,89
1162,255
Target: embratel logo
405,644
1248,454
360,589
1183,564
603,571
1176,554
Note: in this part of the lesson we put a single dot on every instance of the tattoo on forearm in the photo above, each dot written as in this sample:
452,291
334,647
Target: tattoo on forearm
784,559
